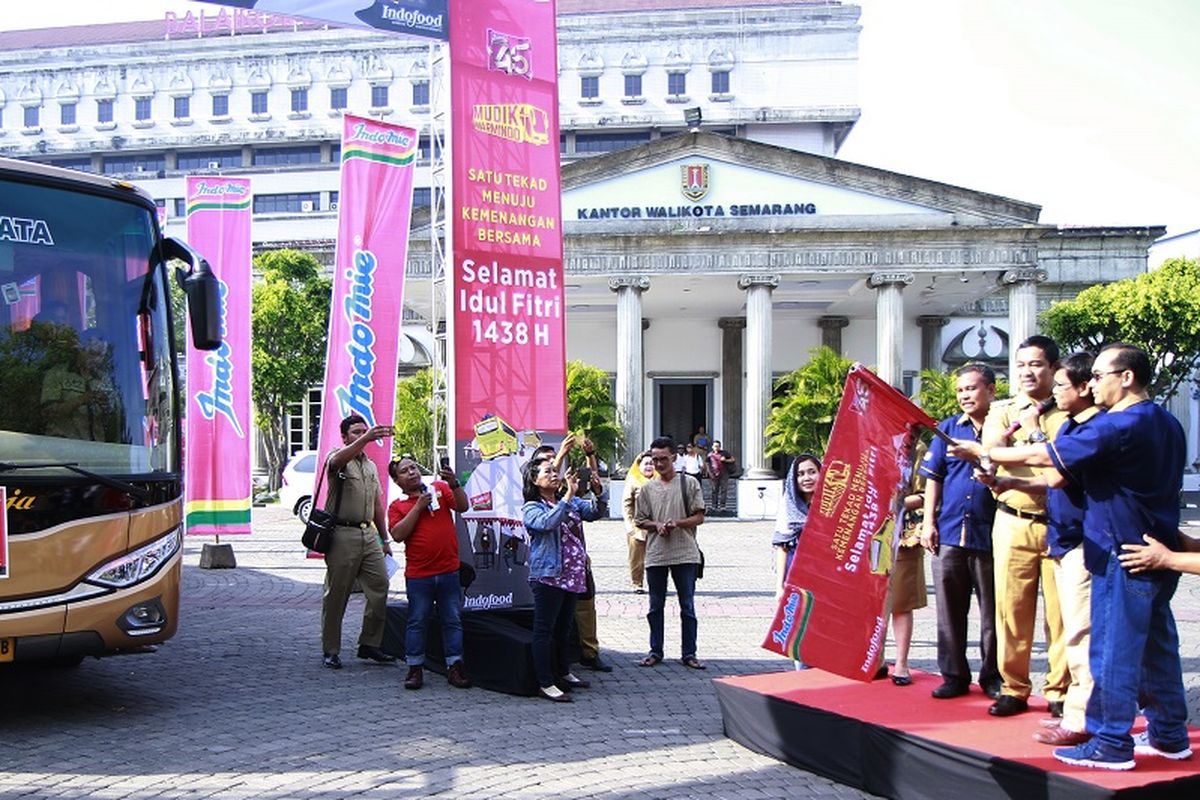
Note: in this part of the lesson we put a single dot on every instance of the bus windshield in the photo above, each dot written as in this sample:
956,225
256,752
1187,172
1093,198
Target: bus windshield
85,360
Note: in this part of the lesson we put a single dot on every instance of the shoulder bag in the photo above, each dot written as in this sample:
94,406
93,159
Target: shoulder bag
687,512
318,531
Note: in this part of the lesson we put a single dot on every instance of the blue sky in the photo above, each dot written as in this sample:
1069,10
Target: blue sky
1090,108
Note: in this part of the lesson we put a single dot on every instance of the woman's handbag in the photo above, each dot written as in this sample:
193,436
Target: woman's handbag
318,531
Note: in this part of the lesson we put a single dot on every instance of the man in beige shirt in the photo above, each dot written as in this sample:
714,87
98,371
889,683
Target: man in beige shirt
669,508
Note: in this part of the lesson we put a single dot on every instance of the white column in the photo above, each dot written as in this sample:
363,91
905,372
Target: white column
630,369
889,324
1022,308
758,290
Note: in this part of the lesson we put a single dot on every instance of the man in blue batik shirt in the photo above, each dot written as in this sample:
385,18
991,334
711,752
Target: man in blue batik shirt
1130,464
957,528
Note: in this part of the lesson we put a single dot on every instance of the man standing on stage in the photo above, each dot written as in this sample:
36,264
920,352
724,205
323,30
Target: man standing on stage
1019,554
1130,463
958,530
424,522
356,498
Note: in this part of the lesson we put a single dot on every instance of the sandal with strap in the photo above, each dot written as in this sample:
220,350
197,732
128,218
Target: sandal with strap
691,662
652,660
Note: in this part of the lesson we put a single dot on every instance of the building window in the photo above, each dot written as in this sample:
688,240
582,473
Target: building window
116,165
220,106
182,107
677,83
287,203
720,83
633,85
204,159
258,103
337,98
422,195
379,96
299,101
423,148
421,93
67,114
335,153
287,156
607,142
104,111
180,207
32,116
141,109
77,164
589,87
333,200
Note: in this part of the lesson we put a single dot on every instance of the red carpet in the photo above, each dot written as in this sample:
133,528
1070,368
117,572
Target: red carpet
825,723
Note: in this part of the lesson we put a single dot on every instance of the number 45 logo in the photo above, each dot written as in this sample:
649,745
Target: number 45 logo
509,54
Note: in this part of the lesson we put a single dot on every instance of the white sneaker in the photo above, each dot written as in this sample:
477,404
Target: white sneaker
1143,747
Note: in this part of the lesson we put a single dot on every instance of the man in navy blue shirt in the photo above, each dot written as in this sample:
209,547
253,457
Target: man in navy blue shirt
958,530
1130,464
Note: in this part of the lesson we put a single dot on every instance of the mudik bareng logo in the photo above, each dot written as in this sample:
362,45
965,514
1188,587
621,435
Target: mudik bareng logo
219,400
357,395
523,123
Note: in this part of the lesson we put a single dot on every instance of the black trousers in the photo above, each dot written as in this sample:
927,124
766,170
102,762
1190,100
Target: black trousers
957,574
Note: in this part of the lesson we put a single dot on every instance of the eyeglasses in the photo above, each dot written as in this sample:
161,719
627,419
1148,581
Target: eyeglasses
1098,375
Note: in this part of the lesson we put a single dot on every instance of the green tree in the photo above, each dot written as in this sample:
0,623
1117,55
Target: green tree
590,409
290,323
939,390
805,404
1158,311
414,416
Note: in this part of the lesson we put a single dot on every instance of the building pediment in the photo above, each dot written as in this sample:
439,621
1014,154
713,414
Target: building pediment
723,180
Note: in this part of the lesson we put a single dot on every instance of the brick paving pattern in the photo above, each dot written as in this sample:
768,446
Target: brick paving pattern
237,705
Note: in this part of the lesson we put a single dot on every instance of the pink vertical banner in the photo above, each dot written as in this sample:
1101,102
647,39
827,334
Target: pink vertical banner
507,296
374,213
218,381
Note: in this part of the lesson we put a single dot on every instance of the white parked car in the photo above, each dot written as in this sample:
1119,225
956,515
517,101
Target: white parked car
295,494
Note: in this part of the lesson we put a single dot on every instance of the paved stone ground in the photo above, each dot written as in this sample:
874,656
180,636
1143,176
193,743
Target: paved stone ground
238,706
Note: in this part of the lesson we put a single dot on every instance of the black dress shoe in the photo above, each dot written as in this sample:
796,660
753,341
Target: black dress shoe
332,661
375,654
880,673
1007,706
595,664
992,690
1056,709
950,689
569,682
415,678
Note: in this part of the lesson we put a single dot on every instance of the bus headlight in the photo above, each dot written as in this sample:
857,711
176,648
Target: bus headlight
140,564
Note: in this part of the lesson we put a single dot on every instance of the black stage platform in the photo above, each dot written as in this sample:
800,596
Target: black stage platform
900,742
495,646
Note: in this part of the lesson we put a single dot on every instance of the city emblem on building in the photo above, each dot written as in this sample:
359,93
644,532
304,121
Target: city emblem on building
695,181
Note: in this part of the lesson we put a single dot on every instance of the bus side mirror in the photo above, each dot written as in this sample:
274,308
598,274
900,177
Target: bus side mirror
203,294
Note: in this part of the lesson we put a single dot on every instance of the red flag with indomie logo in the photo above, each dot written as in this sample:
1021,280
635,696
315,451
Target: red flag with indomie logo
832,613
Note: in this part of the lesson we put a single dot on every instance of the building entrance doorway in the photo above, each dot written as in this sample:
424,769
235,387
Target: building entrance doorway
681,406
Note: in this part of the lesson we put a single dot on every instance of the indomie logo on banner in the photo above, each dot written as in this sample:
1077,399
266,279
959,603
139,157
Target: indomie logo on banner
220,399
516,122
357,396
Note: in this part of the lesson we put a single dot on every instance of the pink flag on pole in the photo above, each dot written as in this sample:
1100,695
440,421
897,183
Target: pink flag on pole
375,209
218,381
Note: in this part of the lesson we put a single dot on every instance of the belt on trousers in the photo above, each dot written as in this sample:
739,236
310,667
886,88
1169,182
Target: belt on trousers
1035,516
348,524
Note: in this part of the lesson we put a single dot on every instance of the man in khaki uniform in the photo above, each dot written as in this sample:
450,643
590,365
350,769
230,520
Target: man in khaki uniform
358,547
1019,550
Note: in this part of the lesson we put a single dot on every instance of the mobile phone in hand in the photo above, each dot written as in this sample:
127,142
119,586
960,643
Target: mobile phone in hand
584,477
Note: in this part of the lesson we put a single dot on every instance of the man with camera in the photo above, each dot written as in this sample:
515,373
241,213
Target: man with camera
423,521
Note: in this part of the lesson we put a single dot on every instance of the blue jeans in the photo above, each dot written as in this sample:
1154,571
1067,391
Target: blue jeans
1134,657
445,590
684,578
553,612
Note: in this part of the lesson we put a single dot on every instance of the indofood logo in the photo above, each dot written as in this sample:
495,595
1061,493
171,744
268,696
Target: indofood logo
523,123
400,14
694,178
485,601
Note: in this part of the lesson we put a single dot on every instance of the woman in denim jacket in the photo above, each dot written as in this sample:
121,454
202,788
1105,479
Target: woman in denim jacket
557,567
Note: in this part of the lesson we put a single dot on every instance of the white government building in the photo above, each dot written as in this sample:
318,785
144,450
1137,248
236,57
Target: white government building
699,265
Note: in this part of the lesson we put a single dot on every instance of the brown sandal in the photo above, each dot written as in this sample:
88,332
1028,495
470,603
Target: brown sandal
691,662
652,660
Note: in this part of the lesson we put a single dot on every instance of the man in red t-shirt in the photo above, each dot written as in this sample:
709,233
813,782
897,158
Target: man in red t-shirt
424,523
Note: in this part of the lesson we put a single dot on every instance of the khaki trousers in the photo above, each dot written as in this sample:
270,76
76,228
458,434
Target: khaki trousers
585,623
356,553
1075,598
637,561
1020,561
